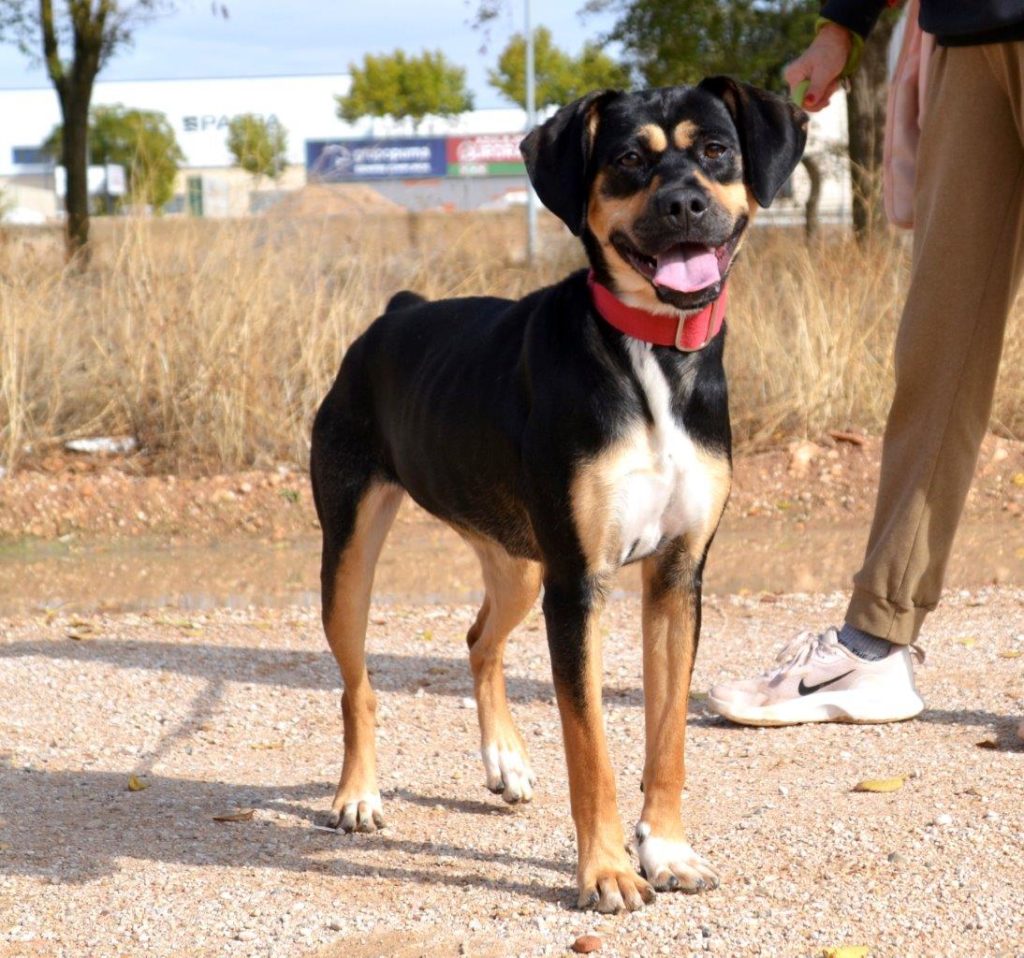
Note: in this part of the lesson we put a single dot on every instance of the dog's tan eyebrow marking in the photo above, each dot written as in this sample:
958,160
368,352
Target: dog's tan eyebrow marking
654,136
684,134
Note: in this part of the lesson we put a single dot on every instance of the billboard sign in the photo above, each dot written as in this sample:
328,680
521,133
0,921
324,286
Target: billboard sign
489,154
333,161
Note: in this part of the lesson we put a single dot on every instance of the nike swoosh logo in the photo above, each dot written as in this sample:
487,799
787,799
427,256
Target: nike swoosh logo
808,689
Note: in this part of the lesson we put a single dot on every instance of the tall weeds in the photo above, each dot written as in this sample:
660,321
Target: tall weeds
213,342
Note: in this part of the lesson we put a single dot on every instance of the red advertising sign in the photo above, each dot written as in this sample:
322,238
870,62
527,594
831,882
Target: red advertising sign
487,154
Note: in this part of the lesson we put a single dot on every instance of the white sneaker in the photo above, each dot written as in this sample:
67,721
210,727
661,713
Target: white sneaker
815,679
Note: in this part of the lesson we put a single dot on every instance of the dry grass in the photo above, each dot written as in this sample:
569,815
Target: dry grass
213,342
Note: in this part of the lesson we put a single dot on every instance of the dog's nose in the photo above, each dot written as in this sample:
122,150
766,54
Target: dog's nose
684,207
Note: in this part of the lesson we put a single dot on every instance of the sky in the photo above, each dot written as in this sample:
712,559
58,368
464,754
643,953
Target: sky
271,37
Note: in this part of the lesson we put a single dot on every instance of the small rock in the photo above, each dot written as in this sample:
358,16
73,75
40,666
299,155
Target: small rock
467,703
942,820
585,944
894,857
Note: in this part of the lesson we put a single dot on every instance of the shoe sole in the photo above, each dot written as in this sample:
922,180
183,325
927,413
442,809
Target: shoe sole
849,706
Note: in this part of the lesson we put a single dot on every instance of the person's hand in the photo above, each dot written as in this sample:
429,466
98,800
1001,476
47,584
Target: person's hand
821,63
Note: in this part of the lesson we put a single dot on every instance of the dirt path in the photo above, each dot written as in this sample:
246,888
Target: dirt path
239,710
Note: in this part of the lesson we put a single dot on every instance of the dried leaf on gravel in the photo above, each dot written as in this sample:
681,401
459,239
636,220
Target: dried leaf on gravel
1011,654
893,784
238,815
1018,479
266,746
78,630
136,784
585,944
853,438
967,641
846,951
989,743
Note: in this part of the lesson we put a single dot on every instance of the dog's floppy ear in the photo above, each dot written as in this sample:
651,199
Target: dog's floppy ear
557,154
773,133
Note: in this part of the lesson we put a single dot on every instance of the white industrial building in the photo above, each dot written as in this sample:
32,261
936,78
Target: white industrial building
199,111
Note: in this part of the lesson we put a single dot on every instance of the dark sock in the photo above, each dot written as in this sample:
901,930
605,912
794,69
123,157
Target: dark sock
863,644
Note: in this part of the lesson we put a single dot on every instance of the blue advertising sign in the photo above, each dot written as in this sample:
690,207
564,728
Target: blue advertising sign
331,161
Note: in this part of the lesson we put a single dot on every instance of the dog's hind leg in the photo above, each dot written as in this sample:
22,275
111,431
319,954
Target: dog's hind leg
512,586
355,518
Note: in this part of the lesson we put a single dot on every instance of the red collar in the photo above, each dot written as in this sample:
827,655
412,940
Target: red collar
687,333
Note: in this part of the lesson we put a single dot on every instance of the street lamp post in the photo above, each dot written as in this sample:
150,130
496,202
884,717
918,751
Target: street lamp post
531,119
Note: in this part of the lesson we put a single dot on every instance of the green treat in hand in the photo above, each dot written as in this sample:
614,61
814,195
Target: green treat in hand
800,91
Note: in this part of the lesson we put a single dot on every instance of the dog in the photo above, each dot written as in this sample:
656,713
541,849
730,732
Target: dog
564,435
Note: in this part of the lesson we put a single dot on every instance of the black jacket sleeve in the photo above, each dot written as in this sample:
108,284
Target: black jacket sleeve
856,15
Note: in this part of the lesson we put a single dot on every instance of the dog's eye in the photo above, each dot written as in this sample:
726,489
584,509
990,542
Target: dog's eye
715,151
631,160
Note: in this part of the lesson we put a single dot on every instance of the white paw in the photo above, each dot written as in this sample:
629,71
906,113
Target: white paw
669,864
508,774
364,813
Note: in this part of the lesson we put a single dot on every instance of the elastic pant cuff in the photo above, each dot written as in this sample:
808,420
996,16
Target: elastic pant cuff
879,617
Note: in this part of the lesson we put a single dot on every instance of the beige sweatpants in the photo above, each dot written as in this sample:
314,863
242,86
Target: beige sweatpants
967,263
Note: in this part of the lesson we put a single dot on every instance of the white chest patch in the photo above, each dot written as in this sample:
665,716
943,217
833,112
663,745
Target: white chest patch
662,488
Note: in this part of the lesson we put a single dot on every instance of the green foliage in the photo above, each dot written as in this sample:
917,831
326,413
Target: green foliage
682,41
560,77
142,141
258,145
399,85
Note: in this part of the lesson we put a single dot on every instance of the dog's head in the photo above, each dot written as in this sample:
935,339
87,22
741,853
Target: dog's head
661,184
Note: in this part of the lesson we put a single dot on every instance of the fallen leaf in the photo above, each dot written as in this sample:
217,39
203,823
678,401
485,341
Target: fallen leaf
1018,479
1011,654
989,743
136,784
880,784
968,641
846,951
265,746
80,630
854,438
239,815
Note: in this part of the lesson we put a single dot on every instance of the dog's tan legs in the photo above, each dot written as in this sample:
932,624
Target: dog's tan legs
357,804
511,587
670,628
605,875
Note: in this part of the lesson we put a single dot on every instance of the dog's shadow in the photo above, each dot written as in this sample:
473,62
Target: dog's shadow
71,827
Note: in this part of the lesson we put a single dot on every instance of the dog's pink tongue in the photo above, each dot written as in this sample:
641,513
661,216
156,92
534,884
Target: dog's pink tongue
687,268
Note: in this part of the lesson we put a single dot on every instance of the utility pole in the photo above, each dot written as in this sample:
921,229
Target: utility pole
531,120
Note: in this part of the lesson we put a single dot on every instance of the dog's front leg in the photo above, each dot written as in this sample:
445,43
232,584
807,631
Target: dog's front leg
671,627
605,875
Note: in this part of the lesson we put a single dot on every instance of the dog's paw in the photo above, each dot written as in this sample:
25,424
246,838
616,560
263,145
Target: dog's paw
611,890
360,813
671,865
508,772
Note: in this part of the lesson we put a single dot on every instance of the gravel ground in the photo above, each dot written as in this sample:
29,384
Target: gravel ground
236,710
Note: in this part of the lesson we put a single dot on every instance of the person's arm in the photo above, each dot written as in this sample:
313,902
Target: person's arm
860,16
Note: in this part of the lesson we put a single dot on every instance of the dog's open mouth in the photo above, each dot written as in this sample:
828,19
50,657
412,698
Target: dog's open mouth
687,268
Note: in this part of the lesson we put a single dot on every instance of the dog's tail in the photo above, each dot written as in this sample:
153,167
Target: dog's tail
403,300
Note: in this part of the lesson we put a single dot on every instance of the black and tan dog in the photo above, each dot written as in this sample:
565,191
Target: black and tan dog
562,447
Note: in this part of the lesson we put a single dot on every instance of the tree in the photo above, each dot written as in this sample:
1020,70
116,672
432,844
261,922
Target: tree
258,145
681,41
865,111
560,77
76,38
142,141
399,85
